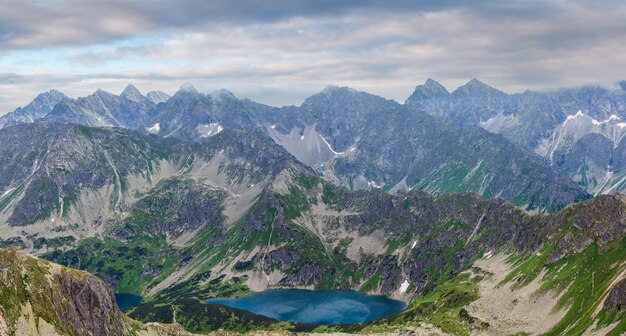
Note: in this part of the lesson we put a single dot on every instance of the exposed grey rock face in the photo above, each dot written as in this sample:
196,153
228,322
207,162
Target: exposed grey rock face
43,298
339,114
69,301
601,220
92,308
593,152
429,96
616,299
38,108
131,93
390,275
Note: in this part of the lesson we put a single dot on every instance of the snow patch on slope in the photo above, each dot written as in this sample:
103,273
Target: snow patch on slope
404,286
578,125
155,129
400,187
372,184
307,145
7,192
209,130
500,122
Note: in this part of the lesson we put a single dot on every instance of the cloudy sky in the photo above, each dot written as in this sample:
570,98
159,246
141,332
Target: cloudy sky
279,52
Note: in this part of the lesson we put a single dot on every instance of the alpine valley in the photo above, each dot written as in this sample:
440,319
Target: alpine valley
485,213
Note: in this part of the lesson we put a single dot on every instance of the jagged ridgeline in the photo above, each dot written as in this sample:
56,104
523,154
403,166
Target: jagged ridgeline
180,222
353,138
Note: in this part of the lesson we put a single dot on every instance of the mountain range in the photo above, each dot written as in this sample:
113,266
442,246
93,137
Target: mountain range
194,196
580,131
355,139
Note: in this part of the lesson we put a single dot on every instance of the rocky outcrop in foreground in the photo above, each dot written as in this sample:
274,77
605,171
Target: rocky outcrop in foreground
38,297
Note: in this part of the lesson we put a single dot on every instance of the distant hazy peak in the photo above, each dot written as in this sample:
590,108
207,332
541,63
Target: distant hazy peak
187,88
131,93
434,84
476,87
622,84
186,91
54,92
51,97
101,93
157,96
222,93
432,88
37,108
333,89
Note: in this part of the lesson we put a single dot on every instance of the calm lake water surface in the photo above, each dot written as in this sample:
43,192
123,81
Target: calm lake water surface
317,307
125,300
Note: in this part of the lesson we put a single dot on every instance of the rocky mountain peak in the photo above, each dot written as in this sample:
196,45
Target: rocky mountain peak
430,89
334,90
46,99
622,84
187,91
335,95
187,88
131,93
38,108
102,94
476,88
157,96
222,94
44,298
50,96
433,84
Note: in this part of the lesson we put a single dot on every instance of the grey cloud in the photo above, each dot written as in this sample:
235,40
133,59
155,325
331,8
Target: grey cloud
11,78
26,24
279,52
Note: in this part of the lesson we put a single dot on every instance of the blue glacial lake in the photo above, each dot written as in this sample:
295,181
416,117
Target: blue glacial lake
316,307
125,300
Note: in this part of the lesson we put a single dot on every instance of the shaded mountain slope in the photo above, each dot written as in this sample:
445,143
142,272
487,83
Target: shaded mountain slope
579,130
